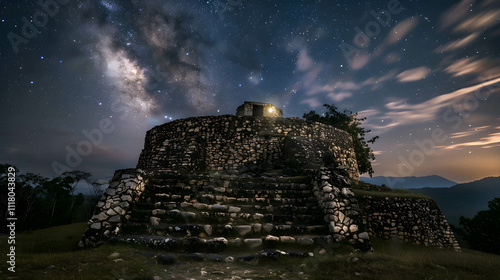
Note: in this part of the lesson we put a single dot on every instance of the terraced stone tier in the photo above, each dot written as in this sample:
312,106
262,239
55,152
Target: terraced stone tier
227,230
221,244
209,214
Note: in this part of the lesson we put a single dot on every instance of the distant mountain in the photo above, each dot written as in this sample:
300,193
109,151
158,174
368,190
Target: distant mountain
433,181
464,199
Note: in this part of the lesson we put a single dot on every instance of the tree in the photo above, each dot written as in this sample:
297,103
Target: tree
42,202
56,190
77,176
482,232
27,189
350,123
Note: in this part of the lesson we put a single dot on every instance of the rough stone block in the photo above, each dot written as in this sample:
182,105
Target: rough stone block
158,212
110,191
96,226
268,227
287,239
353,228
253,242
243,230
256,228
115,219
155,221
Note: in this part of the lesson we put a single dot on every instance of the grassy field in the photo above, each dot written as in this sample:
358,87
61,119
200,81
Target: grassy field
392,193
51,254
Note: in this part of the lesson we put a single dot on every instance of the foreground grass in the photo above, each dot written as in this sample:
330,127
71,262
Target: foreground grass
51,254
392,193
398,260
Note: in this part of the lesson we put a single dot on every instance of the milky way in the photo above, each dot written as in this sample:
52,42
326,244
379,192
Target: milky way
425,74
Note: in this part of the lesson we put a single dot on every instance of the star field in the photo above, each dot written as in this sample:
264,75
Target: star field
410,67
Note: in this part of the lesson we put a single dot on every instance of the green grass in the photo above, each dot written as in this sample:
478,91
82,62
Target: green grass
361,188
44,241
51,254
392,193
398,260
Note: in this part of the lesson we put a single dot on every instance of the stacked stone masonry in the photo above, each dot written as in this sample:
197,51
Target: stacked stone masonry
341,210
228,142
210,213
201,194
125,188
415,220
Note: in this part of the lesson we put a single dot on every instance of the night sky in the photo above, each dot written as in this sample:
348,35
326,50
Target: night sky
426,74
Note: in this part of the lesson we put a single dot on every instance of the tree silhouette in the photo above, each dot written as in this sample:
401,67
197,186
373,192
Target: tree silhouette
42,202
77,176
482,232
55,190
350,123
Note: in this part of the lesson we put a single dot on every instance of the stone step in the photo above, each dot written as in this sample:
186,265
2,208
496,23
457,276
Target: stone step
231,207
181,192
225,230
226,187
302,200
177,216
222,244
171,177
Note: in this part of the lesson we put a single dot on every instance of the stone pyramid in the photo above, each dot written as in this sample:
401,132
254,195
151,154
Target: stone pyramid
244,186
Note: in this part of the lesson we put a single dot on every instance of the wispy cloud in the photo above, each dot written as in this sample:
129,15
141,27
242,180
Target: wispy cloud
457,44
368,113
400,112
414,74
312,85
397,33
456,13
337,97
312,102
375,82
392,57
472,65
479,22
304,62
401,30
490,141
469,133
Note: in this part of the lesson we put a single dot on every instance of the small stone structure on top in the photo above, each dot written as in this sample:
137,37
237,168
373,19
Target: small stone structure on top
258,109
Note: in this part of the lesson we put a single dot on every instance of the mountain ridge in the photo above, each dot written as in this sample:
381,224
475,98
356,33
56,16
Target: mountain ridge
464,199
411,182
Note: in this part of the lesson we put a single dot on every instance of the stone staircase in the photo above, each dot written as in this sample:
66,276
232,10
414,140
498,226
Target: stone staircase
232,214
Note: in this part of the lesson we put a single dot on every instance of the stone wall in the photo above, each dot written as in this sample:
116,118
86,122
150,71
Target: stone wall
124,189
228,143
341,210
416,220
